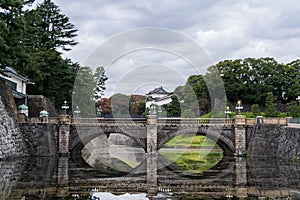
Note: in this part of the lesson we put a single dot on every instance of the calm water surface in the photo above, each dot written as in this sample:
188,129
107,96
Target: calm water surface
127,173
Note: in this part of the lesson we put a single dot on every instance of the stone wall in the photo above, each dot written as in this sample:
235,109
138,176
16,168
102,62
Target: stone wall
267,140
11,140
37,103
11,172
41,138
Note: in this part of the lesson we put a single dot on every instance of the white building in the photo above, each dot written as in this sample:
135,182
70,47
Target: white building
18,84
159,96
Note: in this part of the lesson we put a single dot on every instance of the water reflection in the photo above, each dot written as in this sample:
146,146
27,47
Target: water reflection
151,178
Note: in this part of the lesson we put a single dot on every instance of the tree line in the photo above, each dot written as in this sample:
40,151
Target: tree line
32,41
262,82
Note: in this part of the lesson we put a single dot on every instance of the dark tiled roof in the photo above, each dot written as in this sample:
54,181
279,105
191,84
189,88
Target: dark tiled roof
159,90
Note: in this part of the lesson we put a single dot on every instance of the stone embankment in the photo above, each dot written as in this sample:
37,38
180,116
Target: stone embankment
267,140
11,140
40,138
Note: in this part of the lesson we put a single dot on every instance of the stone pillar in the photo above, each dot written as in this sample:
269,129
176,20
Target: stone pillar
241,178
63,135
152,175
151,133
63,177
240,134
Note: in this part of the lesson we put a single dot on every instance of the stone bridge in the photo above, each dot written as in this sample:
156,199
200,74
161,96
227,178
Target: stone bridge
153,133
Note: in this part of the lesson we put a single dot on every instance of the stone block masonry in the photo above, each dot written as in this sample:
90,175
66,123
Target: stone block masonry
11,140
267,140
41,138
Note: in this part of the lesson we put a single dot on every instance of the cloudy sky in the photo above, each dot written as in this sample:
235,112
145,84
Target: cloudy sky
116,34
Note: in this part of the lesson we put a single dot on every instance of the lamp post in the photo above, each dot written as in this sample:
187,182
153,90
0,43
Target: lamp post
159,110
239,107
153,109
227,112
65,107
77,112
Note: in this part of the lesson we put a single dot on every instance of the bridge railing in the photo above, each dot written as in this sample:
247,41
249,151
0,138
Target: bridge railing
109,121
204,121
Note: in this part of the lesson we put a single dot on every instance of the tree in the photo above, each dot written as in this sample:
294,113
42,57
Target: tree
100,79
172,109
137,105
12,26
104,104
292,84
47,32
83,92
270,106
51,28
255,110
188,114
120,105
294,109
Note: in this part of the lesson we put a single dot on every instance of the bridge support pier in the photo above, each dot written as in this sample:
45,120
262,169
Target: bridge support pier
63,135
240,134
151,133
152,175
63,176
241,178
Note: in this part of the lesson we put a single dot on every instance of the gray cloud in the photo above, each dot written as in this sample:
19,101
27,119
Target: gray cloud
225,29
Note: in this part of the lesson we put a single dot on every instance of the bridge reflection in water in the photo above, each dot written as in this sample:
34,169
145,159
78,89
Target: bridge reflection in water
48,178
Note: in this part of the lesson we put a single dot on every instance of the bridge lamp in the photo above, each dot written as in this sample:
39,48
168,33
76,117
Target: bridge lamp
65,107
159,110
227,112
153,109
239,107
77,112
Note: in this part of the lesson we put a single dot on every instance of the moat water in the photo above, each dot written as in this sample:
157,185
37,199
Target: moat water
128,173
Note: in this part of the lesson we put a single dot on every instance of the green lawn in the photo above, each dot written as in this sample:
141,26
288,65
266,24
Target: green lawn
194,160
186,140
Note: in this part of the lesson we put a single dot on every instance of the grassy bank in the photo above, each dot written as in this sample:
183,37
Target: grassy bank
187,140
194,160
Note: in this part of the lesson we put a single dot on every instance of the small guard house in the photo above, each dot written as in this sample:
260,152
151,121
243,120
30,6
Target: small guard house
159,96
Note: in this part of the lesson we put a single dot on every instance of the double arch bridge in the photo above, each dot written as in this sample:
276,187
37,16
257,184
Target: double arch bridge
152,133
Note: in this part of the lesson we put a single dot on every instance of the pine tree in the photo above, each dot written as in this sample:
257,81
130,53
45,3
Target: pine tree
100,78
270,106
255,110
12,26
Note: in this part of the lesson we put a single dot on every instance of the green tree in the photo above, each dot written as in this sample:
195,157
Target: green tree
255,110
188,114
48,32
120,105
294,109
172,109
100,79
292,84
270,106
12,26
83,92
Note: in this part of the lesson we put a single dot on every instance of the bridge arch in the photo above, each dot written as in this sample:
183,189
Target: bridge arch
225,142
80,137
